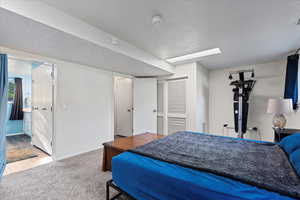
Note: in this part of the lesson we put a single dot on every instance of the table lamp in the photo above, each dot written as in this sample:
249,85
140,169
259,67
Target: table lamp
279,107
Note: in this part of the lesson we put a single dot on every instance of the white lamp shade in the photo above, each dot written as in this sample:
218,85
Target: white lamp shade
280,106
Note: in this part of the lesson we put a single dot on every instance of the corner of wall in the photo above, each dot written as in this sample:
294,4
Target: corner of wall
202,98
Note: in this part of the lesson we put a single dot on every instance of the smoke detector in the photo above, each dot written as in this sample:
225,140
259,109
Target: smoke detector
156,20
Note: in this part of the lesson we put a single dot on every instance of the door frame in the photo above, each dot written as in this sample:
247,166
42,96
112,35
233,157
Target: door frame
53,91
154,110
15,55
164,113
54,104
114,92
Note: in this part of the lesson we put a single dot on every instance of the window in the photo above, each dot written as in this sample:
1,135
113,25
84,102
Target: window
11,90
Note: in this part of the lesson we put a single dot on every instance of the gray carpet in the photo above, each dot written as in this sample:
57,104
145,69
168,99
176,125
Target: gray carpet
76,178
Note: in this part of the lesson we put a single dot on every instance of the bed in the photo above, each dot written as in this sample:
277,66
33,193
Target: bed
142,177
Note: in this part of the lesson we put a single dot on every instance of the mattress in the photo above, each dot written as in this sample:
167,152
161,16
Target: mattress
145,178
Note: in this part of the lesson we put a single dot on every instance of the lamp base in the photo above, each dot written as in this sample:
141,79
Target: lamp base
279,121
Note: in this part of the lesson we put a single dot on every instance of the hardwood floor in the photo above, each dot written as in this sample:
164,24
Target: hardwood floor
24,141
22,165
18,141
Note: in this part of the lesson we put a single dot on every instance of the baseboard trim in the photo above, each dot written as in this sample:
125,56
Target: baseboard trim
76,154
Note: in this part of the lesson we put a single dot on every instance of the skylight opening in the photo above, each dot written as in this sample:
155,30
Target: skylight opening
194,56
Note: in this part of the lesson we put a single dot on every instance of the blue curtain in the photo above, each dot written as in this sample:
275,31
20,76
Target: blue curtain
3,109
291,80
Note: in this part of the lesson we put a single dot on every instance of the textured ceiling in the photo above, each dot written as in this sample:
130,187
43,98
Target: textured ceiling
247,31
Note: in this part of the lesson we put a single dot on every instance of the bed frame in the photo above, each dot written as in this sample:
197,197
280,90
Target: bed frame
121,192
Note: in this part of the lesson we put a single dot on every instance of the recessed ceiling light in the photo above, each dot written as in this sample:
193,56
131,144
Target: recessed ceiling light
194,56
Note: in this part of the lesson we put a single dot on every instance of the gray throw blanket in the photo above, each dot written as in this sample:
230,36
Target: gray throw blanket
264,165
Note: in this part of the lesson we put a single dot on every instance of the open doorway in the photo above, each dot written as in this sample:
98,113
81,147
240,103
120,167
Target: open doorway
123,90
30,115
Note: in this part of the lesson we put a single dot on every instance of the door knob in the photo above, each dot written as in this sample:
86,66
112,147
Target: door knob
44,108
154,110
129,110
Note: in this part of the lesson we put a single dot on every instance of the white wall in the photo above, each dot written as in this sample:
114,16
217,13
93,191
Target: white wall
83,109
19,68
270,83
202,102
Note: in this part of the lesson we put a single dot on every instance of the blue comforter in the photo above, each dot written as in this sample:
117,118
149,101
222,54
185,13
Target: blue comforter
147,179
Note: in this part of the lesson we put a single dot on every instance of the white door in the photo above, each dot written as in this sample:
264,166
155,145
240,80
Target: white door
123,106
161,108
42,91
177,114
144,105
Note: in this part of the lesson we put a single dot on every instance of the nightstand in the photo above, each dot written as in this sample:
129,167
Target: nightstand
280,133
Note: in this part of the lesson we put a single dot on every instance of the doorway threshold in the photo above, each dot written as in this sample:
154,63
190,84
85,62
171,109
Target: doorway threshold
23,165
